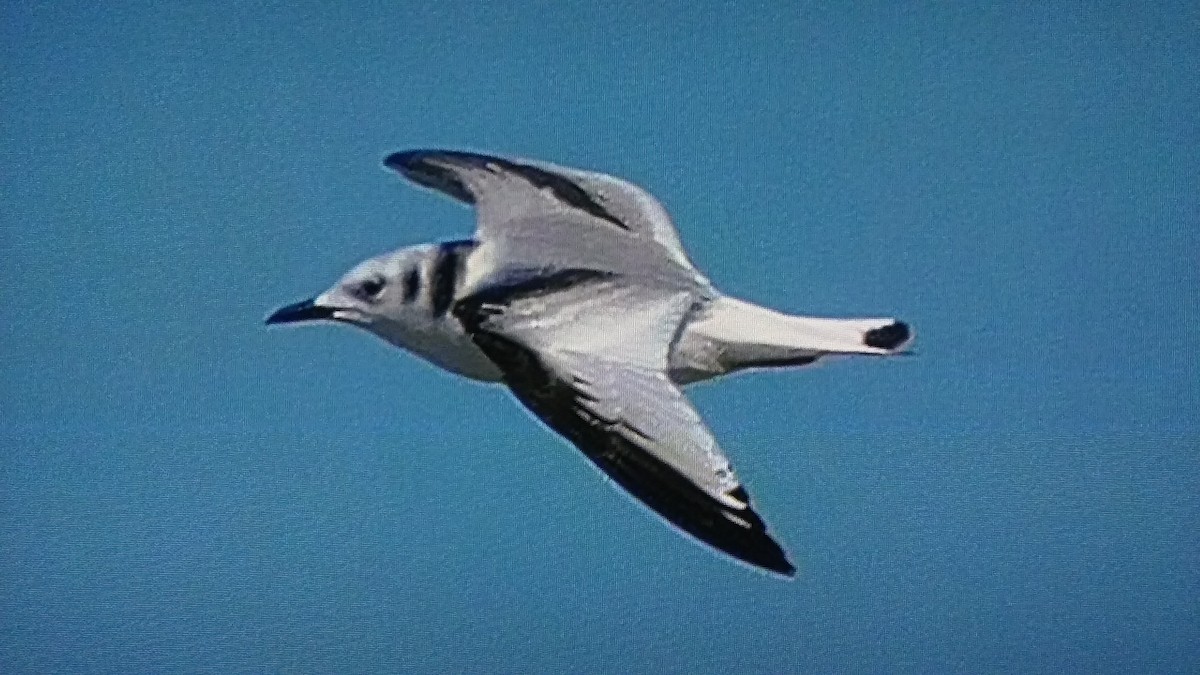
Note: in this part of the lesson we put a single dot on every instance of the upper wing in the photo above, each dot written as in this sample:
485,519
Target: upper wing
600,382
513,196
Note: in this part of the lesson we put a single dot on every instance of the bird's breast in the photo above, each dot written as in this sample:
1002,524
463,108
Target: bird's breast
444,344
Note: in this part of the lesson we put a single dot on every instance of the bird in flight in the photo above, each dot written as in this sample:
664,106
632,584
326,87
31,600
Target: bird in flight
576,294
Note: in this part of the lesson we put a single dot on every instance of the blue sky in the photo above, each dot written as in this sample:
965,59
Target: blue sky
181,488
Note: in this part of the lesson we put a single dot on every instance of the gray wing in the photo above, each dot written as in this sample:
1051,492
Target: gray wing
527,199
601,383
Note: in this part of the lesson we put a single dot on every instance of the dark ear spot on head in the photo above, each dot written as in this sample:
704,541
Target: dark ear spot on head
370,288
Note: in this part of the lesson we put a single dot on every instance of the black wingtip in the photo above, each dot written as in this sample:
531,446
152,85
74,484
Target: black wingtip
406,159
414,160
770,557
414,165
761,550
779,566
887,337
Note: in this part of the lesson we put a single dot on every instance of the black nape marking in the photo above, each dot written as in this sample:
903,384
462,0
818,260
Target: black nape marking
415,165
446,271
412,285
887,337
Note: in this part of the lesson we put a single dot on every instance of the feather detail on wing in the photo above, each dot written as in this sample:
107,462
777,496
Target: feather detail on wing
601,384
513,196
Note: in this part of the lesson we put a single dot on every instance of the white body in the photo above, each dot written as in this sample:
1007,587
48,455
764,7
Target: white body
723,336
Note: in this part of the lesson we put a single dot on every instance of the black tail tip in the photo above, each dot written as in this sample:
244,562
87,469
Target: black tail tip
887,337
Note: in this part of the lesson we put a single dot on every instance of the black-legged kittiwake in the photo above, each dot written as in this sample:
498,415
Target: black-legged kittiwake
576,293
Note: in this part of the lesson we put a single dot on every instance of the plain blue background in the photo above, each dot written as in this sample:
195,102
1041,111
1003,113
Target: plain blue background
182,489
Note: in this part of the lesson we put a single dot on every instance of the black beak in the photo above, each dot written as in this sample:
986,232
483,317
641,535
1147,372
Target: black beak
301,311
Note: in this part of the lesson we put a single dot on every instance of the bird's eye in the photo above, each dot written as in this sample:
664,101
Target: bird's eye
371,288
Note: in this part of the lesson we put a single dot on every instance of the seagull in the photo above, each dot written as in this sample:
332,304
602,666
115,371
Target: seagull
576,294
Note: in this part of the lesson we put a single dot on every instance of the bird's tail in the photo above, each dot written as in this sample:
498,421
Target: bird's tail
751,336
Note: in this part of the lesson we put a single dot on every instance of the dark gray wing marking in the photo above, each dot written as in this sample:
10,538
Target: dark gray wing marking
740,533
416,165
561,401
522,285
